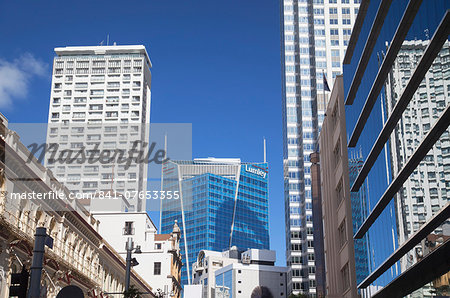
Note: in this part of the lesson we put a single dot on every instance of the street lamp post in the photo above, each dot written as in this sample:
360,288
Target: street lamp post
129,246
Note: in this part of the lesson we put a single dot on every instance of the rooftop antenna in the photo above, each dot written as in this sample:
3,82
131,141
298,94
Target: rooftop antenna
265,159
101,43
107,39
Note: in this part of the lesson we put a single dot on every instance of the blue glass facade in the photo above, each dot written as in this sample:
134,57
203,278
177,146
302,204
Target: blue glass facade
371,93
224,284
215,217
383,235
360,210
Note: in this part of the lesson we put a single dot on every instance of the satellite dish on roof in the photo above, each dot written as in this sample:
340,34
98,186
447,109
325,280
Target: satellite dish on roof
70,292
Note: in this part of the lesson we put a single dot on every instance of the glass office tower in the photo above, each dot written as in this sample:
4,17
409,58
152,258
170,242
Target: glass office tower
360,209
218,203
426,189
315,34
425,192
397,114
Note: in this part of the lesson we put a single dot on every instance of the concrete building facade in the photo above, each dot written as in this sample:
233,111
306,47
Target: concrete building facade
336,201
160,261
100,101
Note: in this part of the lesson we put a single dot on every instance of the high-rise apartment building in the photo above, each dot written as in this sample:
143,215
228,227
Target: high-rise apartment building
398,115
218,203
315,34
100,105
426,191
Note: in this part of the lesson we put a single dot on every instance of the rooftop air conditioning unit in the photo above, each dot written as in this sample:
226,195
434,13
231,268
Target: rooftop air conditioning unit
246,259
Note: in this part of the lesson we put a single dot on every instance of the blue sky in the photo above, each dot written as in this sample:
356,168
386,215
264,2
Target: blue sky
215,65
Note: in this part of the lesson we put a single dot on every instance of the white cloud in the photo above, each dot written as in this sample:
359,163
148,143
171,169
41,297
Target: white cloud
15,77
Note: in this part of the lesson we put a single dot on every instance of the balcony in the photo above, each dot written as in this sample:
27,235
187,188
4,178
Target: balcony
114,70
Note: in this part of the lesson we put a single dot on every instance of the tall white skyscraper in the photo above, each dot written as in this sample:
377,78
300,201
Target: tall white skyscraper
315,34
100,104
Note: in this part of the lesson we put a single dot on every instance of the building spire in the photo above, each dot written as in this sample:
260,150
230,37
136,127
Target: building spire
265,159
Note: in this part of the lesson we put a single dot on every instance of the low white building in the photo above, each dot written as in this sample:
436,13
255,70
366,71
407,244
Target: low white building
160,259
235,274
208,261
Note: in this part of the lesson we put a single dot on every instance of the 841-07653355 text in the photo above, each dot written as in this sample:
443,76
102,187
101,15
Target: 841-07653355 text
147,195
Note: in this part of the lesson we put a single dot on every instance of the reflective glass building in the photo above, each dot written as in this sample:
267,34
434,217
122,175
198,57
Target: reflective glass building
221,203
360,208
396,79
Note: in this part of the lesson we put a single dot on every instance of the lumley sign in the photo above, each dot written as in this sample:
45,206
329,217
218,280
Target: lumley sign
255,171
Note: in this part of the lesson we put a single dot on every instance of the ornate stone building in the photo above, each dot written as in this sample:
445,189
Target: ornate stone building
80,256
